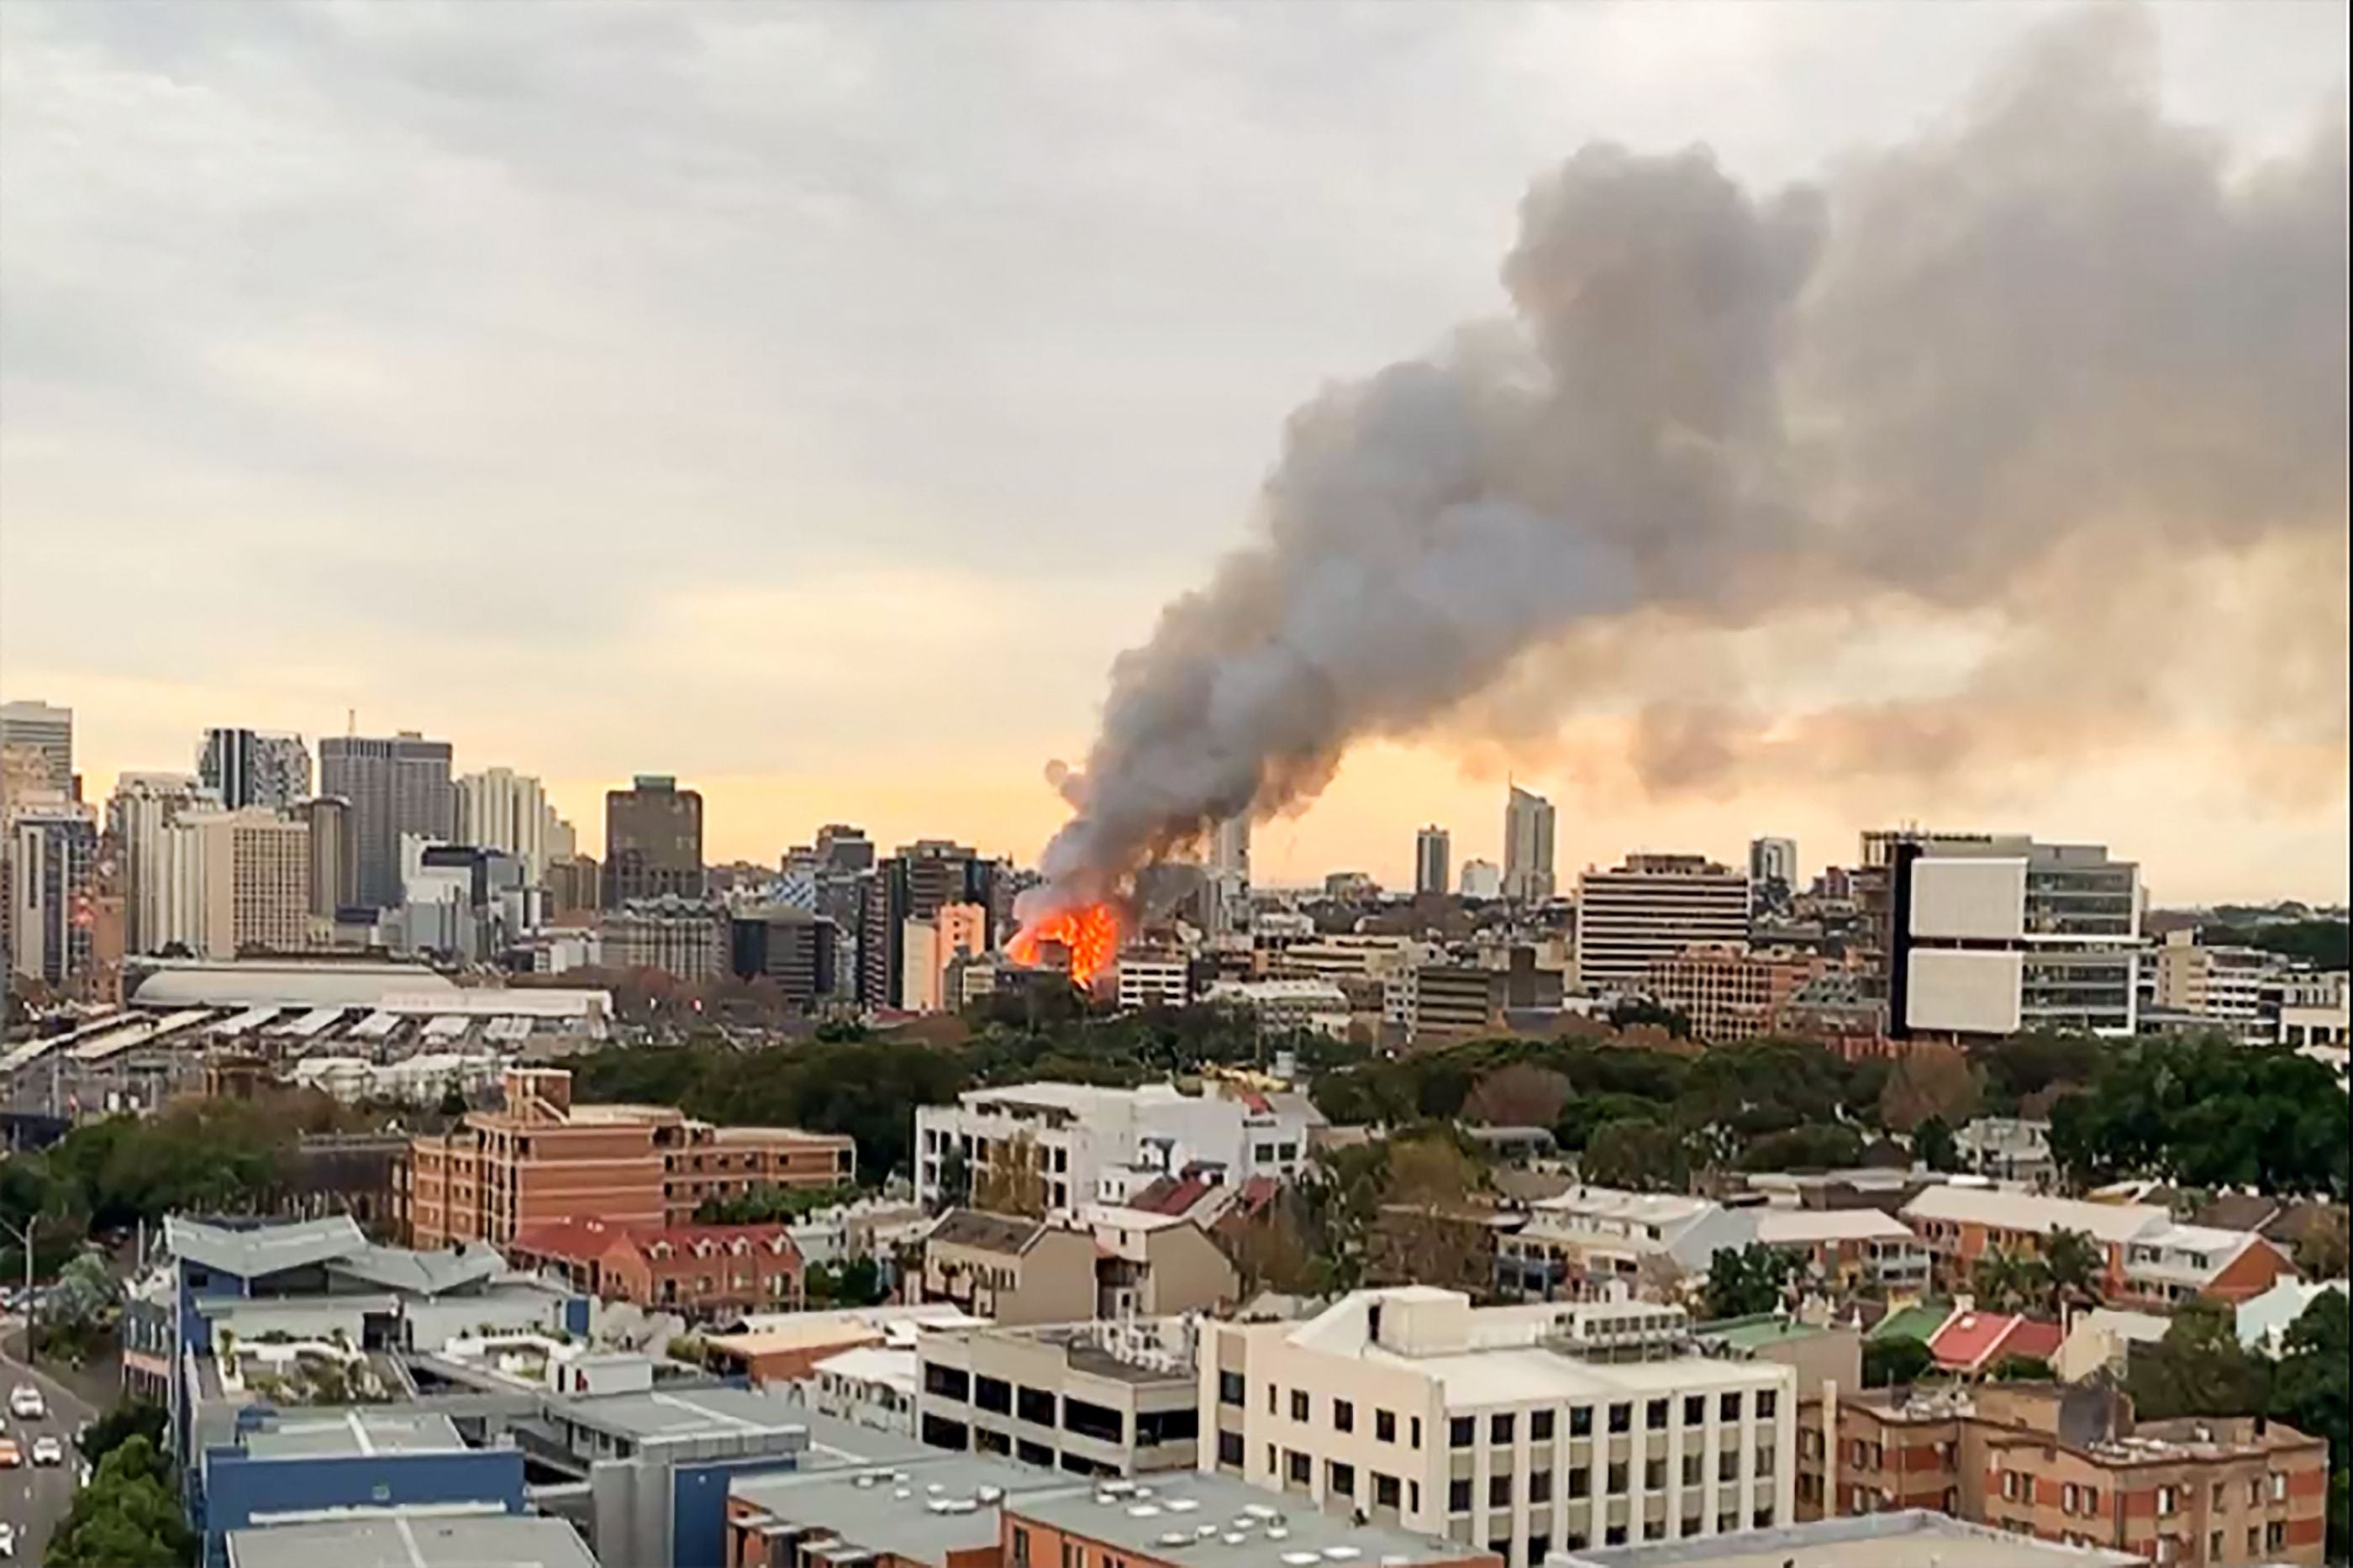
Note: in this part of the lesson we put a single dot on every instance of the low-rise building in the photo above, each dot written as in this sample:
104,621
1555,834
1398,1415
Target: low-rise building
2007,1149
1970,1343
1154,980
2071,1466
2264,1320
869,1385
1287,1005
1729,992
1103,1263
2101,1342
701,1271
1913,1538
2149,1259
777,1349
1452,1001
1116,1525
1527,1428
427,1540
1103,1398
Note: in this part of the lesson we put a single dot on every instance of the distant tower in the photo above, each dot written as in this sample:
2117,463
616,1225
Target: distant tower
1527,846
1433,852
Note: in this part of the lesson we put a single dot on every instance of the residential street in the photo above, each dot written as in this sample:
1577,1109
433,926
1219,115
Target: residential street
35,1498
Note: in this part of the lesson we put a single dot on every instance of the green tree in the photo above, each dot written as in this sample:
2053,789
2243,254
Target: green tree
1754,1279
1897,1359
1810,1148
2004,1281
128,1516
2072,1266
1934,1146
131,1418
2310,1385
2199,1368
2022,1369
1640,1154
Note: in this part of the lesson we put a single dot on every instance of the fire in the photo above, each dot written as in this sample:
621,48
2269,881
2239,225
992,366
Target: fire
1087,932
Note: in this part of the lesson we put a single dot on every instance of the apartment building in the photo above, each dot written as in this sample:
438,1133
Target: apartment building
1154,980
1101,1399
1096,1144
1284,1006
2071,1466
1650,910
1105,1263
1728,993
703,1271
1525,1429
542,1158
1587,1242
1453,1000
1115,1525
689,938
2223,986
2152,1259
235,882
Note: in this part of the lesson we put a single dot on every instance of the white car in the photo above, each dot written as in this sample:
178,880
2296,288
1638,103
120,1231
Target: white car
49,1451
8,1540
26,1404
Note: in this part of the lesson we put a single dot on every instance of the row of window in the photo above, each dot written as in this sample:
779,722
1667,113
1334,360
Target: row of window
1340,1477
1043,1407
1463,1431
1540,1546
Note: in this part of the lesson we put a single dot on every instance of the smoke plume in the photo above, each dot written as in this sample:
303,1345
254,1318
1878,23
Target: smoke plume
2058,358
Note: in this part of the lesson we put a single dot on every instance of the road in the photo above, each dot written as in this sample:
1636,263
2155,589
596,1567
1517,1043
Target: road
35,1498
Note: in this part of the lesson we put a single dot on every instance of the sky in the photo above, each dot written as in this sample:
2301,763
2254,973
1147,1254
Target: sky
811,402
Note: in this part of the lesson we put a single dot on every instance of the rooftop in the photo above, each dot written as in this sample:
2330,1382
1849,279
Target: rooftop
353,1434
251,1251
1910,1539
986,1232
1790,1227
1219,1523
2006,1210
661,1416
918,1509
484,1540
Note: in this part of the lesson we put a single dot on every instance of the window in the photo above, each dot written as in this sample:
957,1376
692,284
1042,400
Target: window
1539,1548
1728,1466
1654,1415
1498,1427
1384,1490
1299,1470
1299,1404
2169,1499
1580,1421
2008,1484
1037,1405
1728,1408
1765,1404
1339,1479
2274,1535
1100,1422
1614,1536
2279,1487
1020,1547
2090,1499
1457,1495
1539,1487
2214,1547
1762,1517
947,1382
1417,1431
1462,1431
1498,1492
1695,1409
1230,1448
1270,1399
1230,1388
1385,1425
1540,1425
1654,1475
1622,1418
2067,1498
1764,1461
1618,1480
1725,1523
1344,1415
993,1394
1581,1482
1654,1530
1501,1548
1691,1469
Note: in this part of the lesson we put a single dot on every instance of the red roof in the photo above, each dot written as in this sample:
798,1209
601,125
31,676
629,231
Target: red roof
1973,1341
1175,1199
581,1240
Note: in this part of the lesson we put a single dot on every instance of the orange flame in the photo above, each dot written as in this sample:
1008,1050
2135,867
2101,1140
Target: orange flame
1087,932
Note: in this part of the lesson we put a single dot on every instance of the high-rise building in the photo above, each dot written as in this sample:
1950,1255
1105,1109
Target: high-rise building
1431,850
1772,871
791,947
1984,934
572,890
842,847
254,767
40,737
911,885
334,855
1482,880
1527,846
930,946
396,785
1652,907
237,881
140,815
688,937
502,809
653,841
52,856
1229,880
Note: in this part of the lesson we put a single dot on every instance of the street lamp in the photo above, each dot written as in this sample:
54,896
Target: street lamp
24,1237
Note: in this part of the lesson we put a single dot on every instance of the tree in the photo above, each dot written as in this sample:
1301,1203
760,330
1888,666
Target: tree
1634,1013
1429,1233
2326,1249
1897,1361
2004,1281
2199,1368
1271,1251
1014,1180
2311,1389
131,1418
1519,1095
1641,1155
1929,1080
1934,1146
127,1517
2072,1266
1811,1148
2022,1369
1754,1279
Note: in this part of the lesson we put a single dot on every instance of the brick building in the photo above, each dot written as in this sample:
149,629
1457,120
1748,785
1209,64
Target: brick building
2148,1258
2071,1464
700,1271
544,1159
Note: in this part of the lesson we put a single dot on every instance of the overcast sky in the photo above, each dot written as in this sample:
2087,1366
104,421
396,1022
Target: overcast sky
810,402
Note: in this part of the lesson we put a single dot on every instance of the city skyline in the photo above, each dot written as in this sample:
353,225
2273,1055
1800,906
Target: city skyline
695,447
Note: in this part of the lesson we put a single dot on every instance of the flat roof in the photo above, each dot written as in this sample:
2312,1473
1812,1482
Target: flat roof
1226,1525
354,1433
1529,1375
658,1414
920,1510
1912,1538
431,1540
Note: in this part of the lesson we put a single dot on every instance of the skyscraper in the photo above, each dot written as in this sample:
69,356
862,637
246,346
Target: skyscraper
1652,907
38,740
1229,876
499,809
1772,872
395,786
240,883
1432,851
254,767
52,850
140,814
653,841
334,855
911,885
1527,846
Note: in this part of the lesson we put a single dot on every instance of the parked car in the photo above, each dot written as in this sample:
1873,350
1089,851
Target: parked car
26,1404
48,1450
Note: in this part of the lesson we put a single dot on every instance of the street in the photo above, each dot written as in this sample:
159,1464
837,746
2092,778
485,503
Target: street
35,1498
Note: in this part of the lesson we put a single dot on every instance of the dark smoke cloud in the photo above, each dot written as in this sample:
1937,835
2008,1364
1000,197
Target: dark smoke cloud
2056,354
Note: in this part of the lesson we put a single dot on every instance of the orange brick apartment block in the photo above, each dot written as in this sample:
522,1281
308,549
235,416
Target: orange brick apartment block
2148,1258
702,1270
544,1159
2071,1466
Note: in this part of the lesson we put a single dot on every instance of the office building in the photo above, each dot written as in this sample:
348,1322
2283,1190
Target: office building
36,740
52,860
1650,908
1453,1000
396,785
2223,986
1526,1429
1729,992
1985,935
913,885
929,945
2071,1466
501,809
139,815
1282,1006
1097,1144
653,841
1432,851
1094,1398
1148,980
254,767
792,948
689,938
334,855
235,882
1527,846
541,1159
1227,867
1482,880
1772,872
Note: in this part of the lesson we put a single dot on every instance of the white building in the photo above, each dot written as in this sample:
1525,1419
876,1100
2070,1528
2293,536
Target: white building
236,881
1432,848
1284,1006
1482,880
1353,955
1651,908
140,814
1527,846
1095,1143
2314,1009
1525,1429
1154,980
499,808
869,1385
2264,1320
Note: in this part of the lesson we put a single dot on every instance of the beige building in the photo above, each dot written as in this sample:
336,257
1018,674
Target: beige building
1105,1263
1729,992
236,881
930,946
1101,1399
1525,1429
